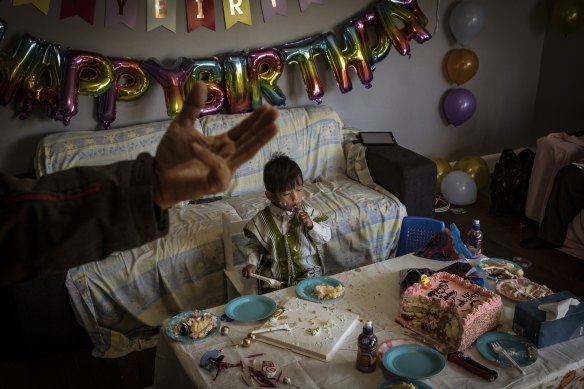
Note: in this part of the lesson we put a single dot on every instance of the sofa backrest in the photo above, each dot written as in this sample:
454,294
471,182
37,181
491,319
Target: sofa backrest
69,149
311,136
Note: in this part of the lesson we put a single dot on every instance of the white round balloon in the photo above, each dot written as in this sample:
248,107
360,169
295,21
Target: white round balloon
459,188
467,20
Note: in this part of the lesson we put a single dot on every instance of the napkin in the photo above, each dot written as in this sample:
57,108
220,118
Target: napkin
557,309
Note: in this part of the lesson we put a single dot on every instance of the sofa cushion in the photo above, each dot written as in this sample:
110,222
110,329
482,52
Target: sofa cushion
65,150
310,136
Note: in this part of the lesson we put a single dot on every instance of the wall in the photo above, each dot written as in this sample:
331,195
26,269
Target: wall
405,97
560,104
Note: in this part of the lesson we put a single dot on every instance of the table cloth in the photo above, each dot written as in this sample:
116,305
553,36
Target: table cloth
373,292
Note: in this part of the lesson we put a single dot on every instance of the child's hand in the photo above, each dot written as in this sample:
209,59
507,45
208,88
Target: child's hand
249,269
306,220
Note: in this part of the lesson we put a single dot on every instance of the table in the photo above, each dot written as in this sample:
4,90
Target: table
373,292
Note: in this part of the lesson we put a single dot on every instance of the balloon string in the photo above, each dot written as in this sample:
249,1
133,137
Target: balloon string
437,16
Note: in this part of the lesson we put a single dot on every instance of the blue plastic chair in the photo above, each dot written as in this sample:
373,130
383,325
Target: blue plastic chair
415,232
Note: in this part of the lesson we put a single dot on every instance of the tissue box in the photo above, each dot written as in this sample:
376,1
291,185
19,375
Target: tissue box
530,322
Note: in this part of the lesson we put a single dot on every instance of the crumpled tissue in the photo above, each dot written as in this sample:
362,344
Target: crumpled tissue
557,309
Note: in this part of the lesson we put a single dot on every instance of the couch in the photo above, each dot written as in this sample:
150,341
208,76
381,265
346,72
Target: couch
121,301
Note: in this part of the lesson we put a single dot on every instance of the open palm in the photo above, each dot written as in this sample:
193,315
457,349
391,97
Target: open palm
189,165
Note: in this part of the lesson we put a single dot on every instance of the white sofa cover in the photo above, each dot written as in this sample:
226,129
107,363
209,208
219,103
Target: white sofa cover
122,300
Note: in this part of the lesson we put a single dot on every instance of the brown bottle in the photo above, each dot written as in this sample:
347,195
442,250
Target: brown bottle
367,349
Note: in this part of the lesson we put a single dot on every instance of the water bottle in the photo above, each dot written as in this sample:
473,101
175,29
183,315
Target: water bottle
474,239
367,349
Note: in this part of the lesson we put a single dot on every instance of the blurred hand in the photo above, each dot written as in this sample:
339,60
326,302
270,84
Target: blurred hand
249,269
305,218
189,165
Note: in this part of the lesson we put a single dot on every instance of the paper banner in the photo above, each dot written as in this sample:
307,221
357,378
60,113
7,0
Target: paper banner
200,13
236,11
42,5
84,9
305,3
161,13
121,11
273,7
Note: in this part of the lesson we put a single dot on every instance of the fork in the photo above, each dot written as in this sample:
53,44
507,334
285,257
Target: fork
273,283
500,350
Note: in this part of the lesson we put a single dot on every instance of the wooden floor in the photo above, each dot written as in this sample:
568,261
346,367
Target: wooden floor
78,369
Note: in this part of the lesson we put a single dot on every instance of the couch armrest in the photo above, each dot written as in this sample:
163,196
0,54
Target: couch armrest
408,175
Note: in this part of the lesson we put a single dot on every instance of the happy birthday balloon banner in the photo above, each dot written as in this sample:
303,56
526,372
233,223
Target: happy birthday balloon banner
38,72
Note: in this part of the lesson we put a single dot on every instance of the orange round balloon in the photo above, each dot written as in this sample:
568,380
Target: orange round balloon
461,65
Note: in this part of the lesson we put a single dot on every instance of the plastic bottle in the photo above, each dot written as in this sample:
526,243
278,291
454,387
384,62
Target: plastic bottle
474,239
367,349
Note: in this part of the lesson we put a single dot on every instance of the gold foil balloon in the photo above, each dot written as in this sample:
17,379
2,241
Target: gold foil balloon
461,65
476,167
442,169
567,15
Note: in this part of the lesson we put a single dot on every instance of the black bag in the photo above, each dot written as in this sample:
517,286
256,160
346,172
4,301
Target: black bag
510,183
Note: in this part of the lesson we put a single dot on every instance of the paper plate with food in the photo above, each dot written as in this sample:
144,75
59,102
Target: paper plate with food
320,289
192,326
500,269
522,289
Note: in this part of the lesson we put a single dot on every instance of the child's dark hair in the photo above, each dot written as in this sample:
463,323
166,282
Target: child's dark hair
281,173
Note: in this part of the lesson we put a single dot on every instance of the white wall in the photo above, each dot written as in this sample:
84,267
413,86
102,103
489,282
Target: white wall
406,94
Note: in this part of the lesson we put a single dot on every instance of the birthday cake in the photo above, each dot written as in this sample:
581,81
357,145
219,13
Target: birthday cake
448,310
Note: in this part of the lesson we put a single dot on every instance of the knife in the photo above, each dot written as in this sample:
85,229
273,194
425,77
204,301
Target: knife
473,366
458,358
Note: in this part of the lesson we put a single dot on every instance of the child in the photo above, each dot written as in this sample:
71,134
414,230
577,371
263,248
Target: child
283,237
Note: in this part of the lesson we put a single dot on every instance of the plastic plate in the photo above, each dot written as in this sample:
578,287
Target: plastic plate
520,349
250,308
305,288
171,328
414,362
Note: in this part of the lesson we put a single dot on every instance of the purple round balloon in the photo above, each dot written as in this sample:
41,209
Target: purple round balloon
459,105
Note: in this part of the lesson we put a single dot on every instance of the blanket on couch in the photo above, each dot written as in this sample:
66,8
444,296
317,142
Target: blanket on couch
122,300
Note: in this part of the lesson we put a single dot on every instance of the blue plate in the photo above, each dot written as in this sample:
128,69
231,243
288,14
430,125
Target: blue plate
413,361
516,269
250,308
521,350
171,328
305,288
418,384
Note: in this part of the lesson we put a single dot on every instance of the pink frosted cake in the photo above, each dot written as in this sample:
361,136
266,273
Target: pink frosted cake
449,310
